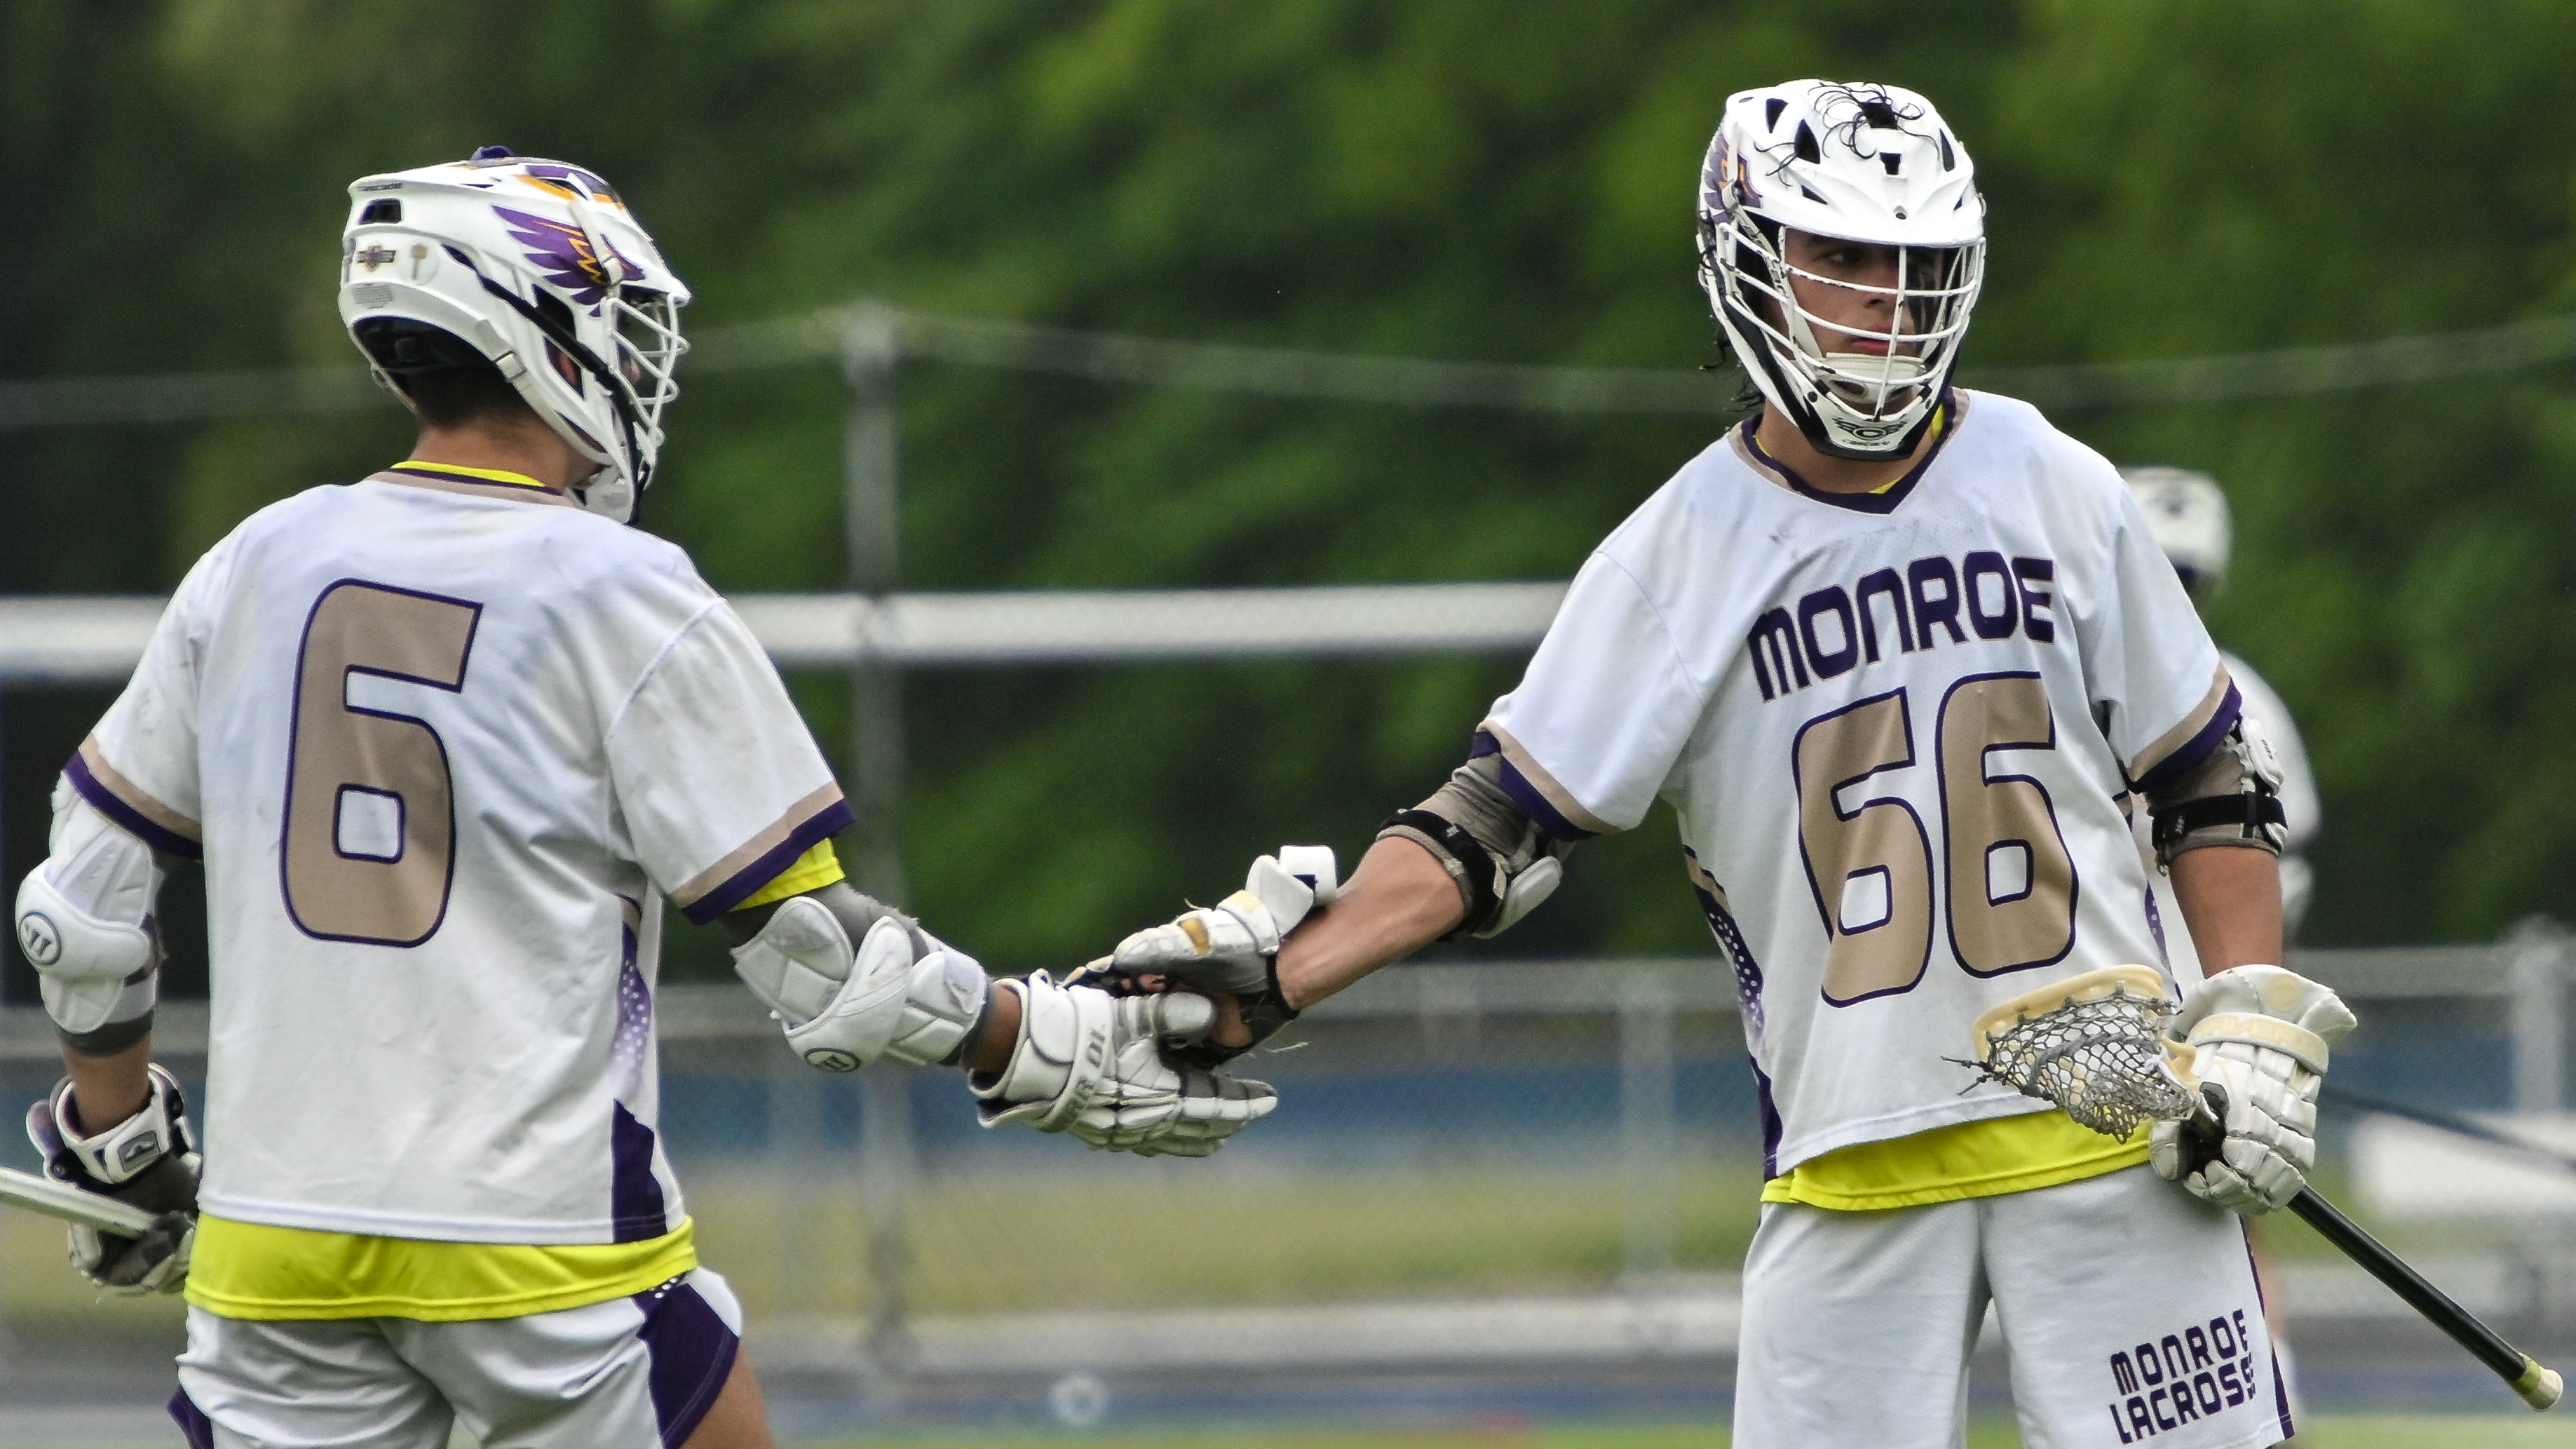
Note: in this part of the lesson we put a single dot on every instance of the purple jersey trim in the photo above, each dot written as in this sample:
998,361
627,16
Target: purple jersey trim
1771,1126
133,821
635,1208
194,1426
692,1354
1896,493
831,820
1526,795
2197,748
1748,972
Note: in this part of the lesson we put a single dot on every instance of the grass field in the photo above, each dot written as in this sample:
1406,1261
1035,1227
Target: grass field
2527,1432
799,1247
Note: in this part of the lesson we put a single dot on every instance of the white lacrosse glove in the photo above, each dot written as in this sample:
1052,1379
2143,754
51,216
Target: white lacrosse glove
2260,1036
149,1160
1232,947
1095,1065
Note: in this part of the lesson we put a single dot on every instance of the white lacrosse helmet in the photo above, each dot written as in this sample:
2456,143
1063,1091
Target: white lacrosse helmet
538,268
1858,162
2187,514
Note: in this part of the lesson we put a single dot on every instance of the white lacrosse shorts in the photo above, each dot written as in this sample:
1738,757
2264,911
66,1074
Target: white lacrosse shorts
628,1373
2127,1305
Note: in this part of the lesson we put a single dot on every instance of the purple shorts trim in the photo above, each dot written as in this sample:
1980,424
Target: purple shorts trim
2271,1350
692,1353
194,1426
831,820
167,842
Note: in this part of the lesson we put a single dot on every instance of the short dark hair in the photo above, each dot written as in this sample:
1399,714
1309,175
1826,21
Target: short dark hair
456,397
447,382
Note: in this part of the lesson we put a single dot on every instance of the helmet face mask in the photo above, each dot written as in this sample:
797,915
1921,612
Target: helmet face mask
539,269
1869,180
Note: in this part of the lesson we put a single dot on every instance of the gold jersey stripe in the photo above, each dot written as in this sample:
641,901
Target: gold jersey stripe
1963,1160
489,475
256,1271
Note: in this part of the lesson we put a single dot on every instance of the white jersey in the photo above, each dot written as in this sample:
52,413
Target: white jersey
1897,728
447,745
2301,815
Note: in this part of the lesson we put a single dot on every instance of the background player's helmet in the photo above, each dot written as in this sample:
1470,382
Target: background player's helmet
1864,163
538,268
2187,514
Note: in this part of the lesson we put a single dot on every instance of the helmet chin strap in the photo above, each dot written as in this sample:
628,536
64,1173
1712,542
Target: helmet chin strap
607,494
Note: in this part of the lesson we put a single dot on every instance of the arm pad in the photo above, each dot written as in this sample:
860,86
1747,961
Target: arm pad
1503,863
84,921
2232,797
900,992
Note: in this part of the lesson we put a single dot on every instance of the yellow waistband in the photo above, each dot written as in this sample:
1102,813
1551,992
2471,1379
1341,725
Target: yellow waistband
1966,1159
253,1270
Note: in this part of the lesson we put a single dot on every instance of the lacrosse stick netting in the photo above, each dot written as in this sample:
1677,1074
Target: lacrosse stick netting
2090,1045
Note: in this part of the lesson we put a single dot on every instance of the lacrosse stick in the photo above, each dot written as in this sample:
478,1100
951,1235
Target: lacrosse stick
2093,1047
72,1205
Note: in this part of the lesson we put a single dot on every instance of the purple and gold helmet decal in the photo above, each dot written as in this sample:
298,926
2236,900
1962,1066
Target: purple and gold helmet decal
570,182
563,252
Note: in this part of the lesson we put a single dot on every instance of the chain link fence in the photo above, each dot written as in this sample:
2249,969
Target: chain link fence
1505,1174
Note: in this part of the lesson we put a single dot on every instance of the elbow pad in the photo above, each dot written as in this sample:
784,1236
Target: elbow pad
84,921
1503,863
2232,797
899,993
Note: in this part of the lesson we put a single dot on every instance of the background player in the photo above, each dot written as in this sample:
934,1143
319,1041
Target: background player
2187,513
1896,653
446,740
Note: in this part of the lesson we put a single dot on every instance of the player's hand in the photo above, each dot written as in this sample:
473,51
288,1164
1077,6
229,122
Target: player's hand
1231,950
150,1160
2259,1038
1104,1068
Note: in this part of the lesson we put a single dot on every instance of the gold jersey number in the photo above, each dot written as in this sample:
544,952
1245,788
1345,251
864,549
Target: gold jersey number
2008,883
369,849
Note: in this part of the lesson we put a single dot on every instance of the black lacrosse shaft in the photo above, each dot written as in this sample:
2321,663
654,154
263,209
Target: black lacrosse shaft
2482,1342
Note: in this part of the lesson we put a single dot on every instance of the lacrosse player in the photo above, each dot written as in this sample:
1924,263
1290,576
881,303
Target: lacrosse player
2187,513
1898,654
447,739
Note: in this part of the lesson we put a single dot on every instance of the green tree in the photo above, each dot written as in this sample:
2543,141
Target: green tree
1506,182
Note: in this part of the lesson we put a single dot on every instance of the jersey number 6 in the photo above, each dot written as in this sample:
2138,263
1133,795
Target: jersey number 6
369,849
2009,882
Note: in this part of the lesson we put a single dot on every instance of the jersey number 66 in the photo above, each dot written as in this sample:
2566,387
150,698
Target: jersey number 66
2008,880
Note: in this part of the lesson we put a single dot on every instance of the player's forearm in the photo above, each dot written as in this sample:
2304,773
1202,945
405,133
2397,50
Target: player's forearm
2231,902
1398,901
107,1090
989,1048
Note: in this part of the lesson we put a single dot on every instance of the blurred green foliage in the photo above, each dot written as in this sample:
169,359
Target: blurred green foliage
1454,178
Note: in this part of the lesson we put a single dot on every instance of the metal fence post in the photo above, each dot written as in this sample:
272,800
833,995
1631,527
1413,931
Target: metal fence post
2538,978
871,505
872,522
888,1169
1649,1177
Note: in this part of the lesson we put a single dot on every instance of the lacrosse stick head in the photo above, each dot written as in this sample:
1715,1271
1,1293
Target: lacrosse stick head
2093,1046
